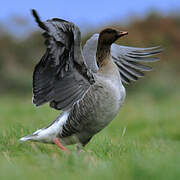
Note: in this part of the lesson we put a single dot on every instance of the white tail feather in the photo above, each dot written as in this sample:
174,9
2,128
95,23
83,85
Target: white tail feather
26,138
48,134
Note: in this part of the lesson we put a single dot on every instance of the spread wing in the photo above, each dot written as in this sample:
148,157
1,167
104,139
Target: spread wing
89,52
128,59
61,77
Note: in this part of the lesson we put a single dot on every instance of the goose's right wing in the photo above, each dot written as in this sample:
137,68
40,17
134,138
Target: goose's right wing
89,52
129,59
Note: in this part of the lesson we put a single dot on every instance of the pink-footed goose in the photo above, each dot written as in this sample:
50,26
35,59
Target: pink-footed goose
86,85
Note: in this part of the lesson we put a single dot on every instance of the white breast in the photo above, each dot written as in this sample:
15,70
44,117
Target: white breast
110,102
118,92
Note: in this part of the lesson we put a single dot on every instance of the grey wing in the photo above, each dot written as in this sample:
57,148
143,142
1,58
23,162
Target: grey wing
89,53
61,77
129,59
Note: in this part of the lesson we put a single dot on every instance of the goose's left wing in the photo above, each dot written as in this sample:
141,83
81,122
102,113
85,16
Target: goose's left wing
61,77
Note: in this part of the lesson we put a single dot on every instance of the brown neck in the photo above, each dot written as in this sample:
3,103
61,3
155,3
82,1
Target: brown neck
102,54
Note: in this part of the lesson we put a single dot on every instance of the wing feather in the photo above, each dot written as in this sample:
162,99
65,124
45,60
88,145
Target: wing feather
128,59
61,77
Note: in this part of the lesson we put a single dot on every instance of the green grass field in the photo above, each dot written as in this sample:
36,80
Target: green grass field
142,142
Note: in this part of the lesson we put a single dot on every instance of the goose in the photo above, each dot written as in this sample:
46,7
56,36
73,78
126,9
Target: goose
86,85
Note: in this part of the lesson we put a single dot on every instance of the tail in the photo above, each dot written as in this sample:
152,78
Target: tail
26,138
31,137
47,134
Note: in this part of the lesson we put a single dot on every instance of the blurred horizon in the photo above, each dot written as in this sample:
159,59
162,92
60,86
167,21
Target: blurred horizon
17,19
149,23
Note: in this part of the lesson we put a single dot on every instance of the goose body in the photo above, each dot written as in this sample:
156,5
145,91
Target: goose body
85,84
94,111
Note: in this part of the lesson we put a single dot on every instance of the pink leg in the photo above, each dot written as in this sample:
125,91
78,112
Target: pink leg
58,143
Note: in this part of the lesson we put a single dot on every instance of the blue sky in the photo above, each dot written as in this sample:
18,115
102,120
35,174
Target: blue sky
92,13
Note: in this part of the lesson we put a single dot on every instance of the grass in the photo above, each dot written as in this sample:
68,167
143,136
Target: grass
142,142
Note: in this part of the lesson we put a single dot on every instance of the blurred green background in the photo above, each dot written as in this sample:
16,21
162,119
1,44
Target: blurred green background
143,142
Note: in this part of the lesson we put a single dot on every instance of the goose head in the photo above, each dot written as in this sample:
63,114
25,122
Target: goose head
110,35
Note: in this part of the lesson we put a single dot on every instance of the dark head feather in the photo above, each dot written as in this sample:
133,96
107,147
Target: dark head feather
110,35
